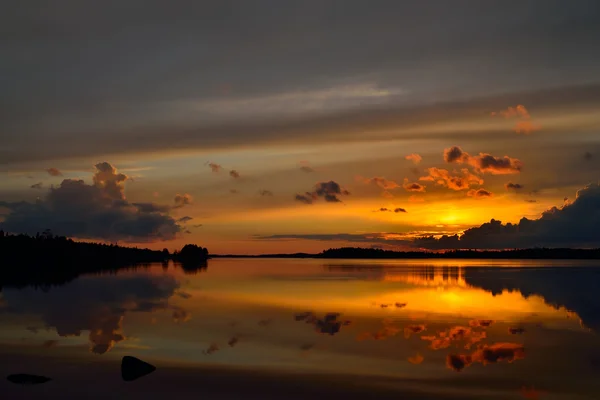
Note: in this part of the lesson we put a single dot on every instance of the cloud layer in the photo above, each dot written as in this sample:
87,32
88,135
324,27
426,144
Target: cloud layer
97,211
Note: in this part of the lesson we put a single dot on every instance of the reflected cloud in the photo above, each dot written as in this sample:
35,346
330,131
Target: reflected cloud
487,354
97,304
329,324
416,359
388,330
213,348
445,339
413,330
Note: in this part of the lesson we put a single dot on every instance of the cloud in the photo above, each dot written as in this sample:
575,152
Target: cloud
234,191
526,127
455,154
97,211
110,181
264,193
573,224
180,315
416,359
306,198
531,200
412,186
513,186
443,177
182,200
516,330
96,304
54,172
413,330
388,330
380,181
483,323
587,156
212,348
329,324
185,219
484,163
479,193
487,354
329,191
234,174
446,338
233,341
415,158
305,166
152,207
38,185
524,124
215,167
395,210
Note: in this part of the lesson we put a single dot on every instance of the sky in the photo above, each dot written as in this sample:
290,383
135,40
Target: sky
276,127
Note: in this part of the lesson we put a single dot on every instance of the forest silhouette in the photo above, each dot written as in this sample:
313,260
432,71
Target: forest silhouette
46,259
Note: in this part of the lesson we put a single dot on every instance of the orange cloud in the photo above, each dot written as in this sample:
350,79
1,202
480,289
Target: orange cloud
443,177
479,193
388,330
524,124
526,127
412,186
416,359
54,172
484,163
182,200
380,181
415,158
484,323
414,329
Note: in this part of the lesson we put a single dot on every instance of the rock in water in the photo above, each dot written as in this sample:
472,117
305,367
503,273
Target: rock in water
27,379
133,368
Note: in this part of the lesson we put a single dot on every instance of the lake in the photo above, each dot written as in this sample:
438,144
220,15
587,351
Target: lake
304,328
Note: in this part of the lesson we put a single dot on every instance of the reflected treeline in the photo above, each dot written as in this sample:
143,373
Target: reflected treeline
426,275
529,254
574,288
47,260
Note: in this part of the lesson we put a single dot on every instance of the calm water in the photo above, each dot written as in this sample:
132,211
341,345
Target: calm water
426,329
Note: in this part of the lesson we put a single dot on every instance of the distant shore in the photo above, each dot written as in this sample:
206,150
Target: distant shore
377,254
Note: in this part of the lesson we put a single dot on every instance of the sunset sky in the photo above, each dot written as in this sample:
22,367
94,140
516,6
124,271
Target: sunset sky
273,126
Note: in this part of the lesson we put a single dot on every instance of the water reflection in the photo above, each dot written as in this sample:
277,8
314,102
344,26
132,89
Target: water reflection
403,319
96,304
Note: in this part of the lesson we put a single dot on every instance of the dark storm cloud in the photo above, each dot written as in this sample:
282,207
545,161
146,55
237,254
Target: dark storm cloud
155,57
97,305
329,191
572,225
98,211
